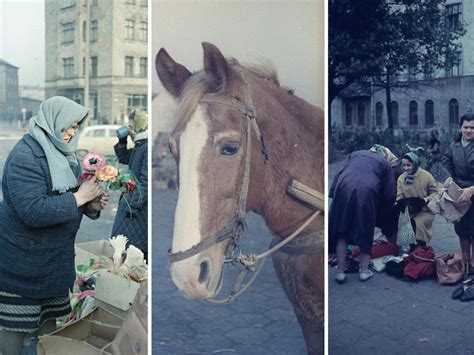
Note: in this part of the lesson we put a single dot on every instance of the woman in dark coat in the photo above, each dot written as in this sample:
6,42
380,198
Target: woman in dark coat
132,214
459,162
363,186
40,216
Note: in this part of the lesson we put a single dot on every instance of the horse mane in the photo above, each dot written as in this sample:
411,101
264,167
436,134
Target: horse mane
198,85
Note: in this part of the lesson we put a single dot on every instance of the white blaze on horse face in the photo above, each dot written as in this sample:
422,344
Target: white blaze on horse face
191,144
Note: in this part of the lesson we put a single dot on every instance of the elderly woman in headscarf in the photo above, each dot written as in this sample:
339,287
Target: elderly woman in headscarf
415,188
363,185
132,214
40,216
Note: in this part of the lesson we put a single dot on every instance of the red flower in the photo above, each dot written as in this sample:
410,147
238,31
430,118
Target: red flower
85,177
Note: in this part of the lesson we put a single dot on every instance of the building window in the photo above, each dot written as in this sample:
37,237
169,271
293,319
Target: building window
429,113
95,2
135,101
453,64
132,2
68,67
68,32
128,66
94,67
143,2
378,113
360,114
129,29
454,15
348,114
68,3
453,112
143,31
94,31
143,67
394,111
413,113
94,105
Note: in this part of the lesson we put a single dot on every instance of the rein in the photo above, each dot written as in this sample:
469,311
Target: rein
238,223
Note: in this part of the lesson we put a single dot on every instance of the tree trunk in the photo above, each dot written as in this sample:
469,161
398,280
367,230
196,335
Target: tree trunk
388,101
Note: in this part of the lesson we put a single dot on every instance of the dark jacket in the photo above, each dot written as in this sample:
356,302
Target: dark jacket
360,190
132,214
459,161
39,226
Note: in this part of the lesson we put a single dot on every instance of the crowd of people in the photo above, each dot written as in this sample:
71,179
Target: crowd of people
42,208
373,187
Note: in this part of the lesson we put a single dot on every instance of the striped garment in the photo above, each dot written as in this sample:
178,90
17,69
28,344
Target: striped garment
26,315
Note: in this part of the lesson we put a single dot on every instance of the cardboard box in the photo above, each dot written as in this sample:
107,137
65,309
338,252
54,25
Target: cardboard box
115,290
88,336
92,250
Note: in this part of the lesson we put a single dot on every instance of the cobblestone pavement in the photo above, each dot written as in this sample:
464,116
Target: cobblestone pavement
389,316
261,321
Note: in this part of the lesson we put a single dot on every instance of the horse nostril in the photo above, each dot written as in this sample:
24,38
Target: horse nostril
204,272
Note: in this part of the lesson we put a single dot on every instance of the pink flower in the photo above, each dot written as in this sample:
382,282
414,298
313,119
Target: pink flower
93,161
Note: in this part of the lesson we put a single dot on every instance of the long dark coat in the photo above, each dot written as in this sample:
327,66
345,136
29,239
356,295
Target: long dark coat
132,214
38,226
459,161
360,189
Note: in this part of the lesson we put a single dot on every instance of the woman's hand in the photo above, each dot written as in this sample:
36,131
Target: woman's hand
466,194
448,181
88,191
98,203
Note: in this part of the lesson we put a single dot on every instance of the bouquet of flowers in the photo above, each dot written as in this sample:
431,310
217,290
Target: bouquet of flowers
95,164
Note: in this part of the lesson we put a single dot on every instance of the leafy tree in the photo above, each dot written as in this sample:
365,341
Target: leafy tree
397,37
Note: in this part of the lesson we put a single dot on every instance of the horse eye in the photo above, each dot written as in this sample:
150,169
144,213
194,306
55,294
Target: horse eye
229,149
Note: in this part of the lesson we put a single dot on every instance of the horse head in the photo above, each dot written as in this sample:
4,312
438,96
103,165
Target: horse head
210,146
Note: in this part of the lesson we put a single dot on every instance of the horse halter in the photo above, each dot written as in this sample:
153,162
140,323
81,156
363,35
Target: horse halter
238,224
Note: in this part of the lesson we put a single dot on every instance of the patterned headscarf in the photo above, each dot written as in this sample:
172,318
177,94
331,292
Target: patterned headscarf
385,152
415,161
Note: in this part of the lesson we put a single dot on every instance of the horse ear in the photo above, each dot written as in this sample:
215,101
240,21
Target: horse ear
172,75
215,66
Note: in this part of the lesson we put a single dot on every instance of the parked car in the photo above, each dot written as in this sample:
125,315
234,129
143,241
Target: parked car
100,138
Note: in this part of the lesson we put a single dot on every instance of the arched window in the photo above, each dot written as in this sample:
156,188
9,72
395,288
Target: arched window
429,113
413,113
394,110
453,112
378,113
360,114
348,114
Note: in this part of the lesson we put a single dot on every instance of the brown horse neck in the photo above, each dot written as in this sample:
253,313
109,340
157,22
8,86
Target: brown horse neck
293,130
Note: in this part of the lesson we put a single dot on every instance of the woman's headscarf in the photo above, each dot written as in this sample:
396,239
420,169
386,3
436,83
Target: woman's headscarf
385,152
55,115
415,161
139,120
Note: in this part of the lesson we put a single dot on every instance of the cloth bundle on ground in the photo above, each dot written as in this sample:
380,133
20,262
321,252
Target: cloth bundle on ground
446,205
451,268
379,249
419,264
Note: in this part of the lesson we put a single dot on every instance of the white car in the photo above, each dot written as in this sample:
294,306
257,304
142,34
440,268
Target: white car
100,138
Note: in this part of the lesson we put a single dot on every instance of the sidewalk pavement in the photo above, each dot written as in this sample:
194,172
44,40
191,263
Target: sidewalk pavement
388,316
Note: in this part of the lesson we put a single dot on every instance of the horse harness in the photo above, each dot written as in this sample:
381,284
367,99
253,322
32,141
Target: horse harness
308,242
